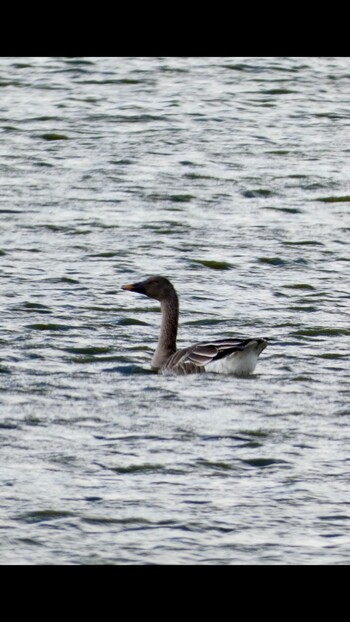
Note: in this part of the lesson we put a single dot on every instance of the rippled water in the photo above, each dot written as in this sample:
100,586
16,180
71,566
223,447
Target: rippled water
231,177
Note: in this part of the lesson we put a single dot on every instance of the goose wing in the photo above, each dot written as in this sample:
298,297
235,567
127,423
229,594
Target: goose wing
194,358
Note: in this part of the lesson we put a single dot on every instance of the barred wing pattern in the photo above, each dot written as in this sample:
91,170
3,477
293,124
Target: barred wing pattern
195,358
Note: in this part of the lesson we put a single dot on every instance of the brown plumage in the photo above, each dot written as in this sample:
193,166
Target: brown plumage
237,356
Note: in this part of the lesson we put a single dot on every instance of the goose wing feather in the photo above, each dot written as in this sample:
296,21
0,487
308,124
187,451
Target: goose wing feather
194,358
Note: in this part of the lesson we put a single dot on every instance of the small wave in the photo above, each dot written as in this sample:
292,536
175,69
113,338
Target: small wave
128,370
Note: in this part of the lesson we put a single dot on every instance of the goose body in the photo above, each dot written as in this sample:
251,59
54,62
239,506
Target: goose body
230,356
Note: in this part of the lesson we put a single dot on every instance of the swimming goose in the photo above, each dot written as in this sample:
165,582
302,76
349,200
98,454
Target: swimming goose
235,356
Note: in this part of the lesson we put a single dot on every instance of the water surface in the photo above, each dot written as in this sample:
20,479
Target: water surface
230,176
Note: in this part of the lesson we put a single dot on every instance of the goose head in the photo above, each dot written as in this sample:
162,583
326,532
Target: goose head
157,287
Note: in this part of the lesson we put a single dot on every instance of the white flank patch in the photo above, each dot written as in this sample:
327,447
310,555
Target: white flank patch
239,363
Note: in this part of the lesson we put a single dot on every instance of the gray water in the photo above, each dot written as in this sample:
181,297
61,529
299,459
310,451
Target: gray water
231,177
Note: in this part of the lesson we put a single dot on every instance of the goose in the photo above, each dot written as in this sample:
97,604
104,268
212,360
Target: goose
232,356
